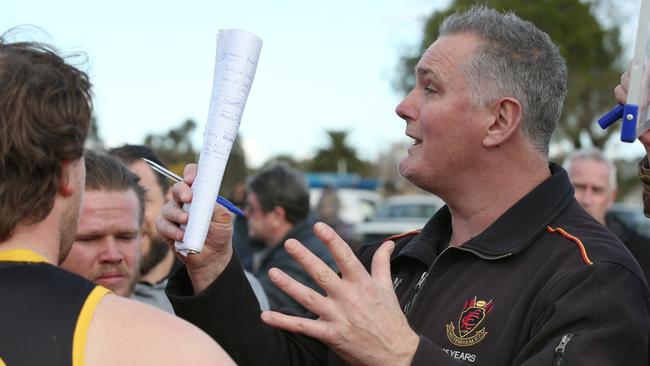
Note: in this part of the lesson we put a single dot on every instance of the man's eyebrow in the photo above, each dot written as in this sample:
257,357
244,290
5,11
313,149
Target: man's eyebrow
426,72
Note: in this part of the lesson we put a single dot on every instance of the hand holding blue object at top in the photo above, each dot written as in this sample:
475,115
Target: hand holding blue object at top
634,101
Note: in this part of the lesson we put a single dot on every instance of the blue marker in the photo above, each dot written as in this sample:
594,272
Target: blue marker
171,175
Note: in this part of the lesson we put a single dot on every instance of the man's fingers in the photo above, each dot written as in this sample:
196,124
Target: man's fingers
348,263
320,272
381,264
309,327
310,299
620,94
625,80
181,192
189,173
170,231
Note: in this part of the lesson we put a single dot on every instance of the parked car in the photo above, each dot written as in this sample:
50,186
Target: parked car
357,205
631,215
398,214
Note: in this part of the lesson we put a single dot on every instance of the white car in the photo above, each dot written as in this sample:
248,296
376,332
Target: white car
357,205
397,215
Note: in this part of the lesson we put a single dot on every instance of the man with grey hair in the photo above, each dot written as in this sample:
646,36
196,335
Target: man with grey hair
593,177
512,271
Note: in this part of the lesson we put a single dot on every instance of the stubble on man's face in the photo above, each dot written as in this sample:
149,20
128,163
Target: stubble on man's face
157,251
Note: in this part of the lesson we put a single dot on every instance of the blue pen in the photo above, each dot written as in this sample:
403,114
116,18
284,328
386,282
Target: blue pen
171,175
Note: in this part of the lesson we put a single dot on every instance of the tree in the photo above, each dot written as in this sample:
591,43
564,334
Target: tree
236,169
338,156
94,140
590,49
175,148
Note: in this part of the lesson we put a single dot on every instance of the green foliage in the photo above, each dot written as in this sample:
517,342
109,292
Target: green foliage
338,155
94,140
590,49
236,169
286,159
175,148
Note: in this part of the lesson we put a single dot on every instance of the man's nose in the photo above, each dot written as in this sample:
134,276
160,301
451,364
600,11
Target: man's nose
405,109
110,252
586,196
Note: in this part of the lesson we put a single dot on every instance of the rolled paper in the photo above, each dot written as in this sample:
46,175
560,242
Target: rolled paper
235,64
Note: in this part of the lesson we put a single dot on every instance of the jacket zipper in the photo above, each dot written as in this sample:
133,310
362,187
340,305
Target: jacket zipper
559,350
418,286
409,306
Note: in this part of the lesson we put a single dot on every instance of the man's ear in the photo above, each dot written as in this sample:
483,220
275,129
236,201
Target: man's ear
506,117
66,179
280,213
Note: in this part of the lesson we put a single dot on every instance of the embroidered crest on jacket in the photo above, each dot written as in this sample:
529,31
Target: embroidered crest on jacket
472,315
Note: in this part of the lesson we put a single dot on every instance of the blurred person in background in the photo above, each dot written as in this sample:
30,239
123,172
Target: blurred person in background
277,208
593,177
328,211
157,260
245,246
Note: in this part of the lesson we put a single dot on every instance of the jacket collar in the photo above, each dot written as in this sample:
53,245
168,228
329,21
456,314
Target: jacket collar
510,233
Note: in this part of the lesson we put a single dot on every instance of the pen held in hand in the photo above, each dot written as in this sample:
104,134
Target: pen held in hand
171,175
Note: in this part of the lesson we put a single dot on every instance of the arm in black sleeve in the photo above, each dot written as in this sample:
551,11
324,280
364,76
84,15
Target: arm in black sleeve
229,312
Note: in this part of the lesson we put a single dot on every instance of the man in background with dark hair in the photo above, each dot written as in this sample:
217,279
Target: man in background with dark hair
157,262
277,208
106,249
50,316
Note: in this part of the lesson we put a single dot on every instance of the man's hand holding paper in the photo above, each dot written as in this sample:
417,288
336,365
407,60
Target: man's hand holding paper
204,267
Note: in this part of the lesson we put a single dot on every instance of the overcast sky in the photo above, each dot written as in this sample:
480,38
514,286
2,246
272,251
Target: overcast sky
324,65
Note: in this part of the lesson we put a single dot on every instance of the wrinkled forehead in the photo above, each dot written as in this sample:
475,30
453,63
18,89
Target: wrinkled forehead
449,53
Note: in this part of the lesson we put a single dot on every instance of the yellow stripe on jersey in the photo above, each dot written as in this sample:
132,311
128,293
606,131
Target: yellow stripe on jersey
83,323
21,255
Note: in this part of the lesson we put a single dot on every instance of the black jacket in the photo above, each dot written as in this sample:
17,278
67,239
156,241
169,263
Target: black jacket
635,239
545,284
278,257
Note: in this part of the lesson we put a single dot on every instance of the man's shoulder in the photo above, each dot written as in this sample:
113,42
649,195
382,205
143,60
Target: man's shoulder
579,238
367,251
124,331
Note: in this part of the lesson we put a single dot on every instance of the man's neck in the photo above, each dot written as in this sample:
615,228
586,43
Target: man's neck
480,203
41,238
160,271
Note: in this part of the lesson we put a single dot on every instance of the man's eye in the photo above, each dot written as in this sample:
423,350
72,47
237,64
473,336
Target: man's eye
429,89
127,237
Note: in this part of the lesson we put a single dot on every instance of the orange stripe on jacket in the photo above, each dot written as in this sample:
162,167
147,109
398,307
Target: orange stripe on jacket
399,236
583,251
